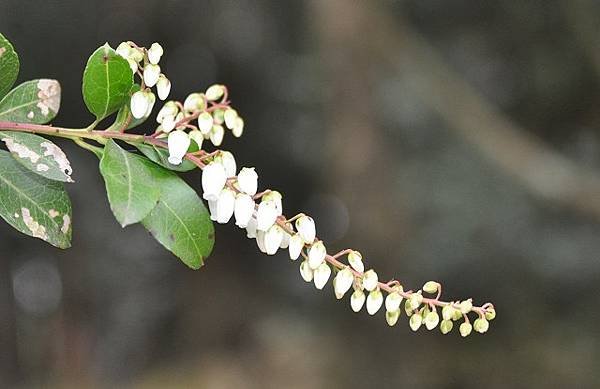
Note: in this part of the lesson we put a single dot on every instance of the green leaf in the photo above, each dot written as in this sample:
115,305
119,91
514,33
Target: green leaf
124,117
130,183
107,80
161,156
34,205
35,101
9,66
180,222
38,155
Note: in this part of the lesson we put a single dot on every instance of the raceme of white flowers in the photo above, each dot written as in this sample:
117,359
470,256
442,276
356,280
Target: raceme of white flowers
232,194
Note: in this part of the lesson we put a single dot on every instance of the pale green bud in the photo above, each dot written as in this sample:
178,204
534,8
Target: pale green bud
431,287
306,272
457,314
490,314
229,116
357,300
392,317
481,325
466,306
374,301
415,300
219,116
392,302
446,326
415,321
193,102
448,312
214,92
238,127
431,320
408,308
370,280
355,260
465,329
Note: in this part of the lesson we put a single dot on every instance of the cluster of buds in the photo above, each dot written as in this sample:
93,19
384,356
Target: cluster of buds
144,63
230,196
202,116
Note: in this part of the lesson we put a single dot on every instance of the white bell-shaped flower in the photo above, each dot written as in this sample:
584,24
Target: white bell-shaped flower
306,272
357,300
197,137
374,301
266,215
205,122
355,260
215,92
229,117
321,275
193,102
260,241
151,74
178,143
154,53
244,208
169,109
216,135
247,180
370,280
228,161
225,205
238,127
213,180
124,50
273,237
295,247
251,228
212,207
392,302
163,87
306,228
276,197
139,104
316,255
343,281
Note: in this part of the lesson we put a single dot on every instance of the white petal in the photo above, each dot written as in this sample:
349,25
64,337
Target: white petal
273,238
151,74
178,142
343,281
225,205
212,206
247,180
213,180
238,127
228,161
230,115
321,275
266,215
244,208
163,87
214,92
316,255
374,301
193,102
154,53
260,241
357,300
295,247
251,228
306,272
370,280
392,302
139,104
355,260
205,122
216,135
306,228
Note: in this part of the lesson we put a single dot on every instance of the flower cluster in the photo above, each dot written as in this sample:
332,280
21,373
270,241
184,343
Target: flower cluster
144,63
234,194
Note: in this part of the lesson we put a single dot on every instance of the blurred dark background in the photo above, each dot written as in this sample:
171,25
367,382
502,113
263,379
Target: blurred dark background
449,140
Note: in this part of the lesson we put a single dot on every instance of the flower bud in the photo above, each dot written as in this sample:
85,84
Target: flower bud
466,306
266,215
446,326
316,255
357,300
392,317
168,123
205,122
229,116
178,143
213,180
154,53
216,135
374,301
430,287
448,312
124,49
295,247
247,180
481,325
139,104
355,260
238,127
228,161
225,205
275,196
251,228
392,302
214,92
169,109
415,300
321,275
243,209
163,87
151,74
465,329
194,102
408,307
431,320
273,238
306,272
343,281
415,321
490,314
306,228
197,137
370,280
212,207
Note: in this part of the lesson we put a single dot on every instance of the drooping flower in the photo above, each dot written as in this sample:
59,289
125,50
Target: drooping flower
316,255
306,272
374,301
321,275
225,205
370,280
247,180
205,122
343,281
295,246
154,53
355,260
139,104
357,300
163,87
244,208
178,143
273,237
306,228
213,180
151,74
266,215
215,92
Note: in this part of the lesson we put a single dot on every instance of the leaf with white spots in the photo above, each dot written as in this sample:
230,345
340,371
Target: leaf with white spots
38,155
130,183
107,81
9,66
35,101
33,204
180,221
